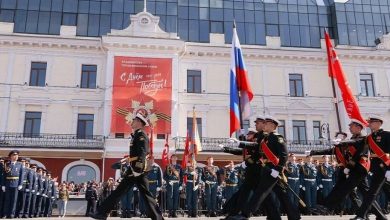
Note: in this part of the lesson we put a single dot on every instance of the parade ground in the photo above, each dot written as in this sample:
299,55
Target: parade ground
344,217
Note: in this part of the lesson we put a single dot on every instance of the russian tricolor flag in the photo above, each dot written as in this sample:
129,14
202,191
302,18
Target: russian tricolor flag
240,90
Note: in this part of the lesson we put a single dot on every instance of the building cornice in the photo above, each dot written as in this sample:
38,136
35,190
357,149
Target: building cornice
49,41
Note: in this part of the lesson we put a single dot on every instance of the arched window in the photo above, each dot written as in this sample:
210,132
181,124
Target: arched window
81,174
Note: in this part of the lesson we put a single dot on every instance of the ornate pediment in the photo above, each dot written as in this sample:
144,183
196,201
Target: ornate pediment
144,24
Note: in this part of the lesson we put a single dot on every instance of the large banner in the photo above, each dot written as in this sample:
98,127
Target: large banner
142,84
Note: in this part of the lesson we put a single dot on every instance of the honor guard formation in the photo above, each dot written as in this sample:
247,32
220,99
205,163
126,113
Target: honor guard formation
351,177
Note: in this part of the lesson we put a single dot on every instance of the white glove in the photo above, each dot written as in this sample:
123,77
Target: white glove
180,188
158,189
387,175
134,188
321,186
303,188
243,165
136,174
318,188
346,171
20,187
300,186
274,173
233,140
3,188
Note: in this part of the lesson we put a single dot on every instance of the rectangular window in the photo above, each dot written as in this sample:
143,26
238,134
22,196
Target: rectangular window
38,74
32,124
367,84
88,76
299,132
189,125
296,85
282,128
85,126
194,81
316,131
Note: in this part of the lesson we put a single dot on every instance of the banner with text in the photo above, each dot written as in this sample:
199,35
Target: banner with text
142,84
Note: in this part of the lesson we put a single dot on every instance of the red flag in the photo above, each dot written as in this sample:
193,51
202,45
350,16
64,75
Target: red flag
185,156
151,144
336,71
164,159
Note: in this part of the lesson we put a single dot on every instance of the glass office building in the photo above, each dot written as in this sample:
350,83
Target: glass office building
299,23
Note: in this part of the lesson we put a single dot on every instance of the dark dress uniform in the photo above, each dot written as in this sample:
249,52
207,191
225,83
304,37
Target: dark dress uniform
210,178
91,197
192,189
174,177
379,168
39,194
13,181
127,198
292,173
50,197
139,148
276,146
251,153
2,185
45,185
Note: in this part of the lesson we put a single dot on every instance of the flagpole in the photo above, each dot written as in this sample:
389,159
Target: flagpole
334,92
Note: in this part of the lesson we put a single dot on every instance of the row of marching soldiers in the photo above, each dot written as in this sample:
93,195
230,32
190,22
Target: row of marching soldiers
27,191
265,154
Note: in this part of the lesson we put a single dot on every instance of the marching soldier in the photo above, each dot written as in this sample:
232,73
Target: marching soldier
292,173
326,177
139,149
231,181
173,177
192,187
274,159
354,157
22,192
379,144
127,198
34,190
309,175
45,185
155,182
13,183
210,178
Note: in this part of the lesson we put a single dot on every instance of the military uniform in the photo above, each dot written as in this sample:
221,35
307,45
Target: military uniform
13,182
22,192
192,189
28,189
34,191
378,141
292,173
231,182
139,149
127,198
45,186
155,181
39,193
210,178
91,197
274,160
326,178
173,177
2,192
50,197
309,183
